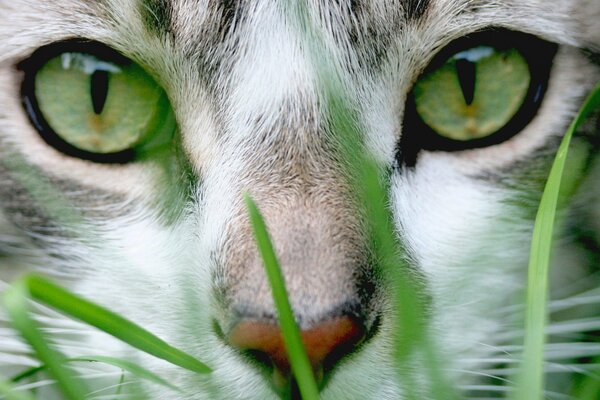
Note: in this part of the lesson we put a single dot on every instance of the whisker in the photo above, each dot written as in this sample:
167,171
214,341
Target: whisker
497,348
479,373
94,394
112,396
549,368
35,385
509,389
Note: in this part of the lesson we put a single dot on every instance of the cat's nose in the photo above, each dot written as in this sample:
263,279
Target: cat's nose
325,343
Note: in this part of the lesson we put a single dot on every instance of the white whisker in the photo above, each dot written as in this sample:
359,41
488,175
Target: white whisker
480,373
35,385
509,389
94,394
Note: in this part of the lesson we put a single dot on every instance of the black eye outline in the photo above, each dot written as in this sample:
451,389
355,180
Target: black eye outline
538,53
34,63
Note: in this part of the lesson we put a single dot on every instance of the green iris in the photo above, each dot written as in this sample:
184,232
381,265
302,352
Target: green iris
474,93
101,106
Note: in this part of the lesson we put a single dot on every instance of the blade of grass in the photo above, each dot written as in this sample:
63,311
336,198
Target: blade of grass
29,372
590,390
116,362
15,301
121,382
9,393
74,306
291,334
589,387
530,383
407,292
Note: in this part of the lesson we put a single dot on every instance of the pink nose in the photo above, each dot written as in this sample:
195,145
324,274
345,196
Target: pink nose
329,340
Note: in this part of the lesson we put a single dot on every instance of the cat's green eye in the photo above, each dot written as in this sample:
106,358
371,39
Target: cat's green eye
474,93
478,91
97,105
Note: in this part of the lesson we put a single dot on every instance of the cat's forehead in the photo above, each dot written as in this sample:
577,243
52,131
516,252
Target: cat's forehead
198,25
202,24
185,17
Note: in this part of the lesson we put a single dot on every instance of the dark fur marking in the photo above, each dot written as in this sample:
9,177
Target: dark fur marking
23,211
416,9
229,11
592,56
157,16
40,201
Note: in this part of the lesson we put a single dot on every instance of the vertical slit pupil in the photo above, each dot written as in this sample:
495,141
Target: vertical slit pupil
99,90
466,71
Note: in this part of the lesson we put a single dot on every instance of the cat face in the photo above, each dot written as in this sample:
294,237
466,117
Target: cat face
163,236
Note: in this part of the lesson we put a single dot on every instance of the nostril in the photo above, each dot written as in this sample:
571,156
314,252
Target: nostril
325,342
261,357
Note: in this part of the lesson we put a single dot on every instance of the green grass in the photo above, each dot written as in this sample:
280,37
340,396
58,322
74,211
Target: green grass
36,288
7,390
47,293
15,302
299,362
589,387
530,384
123,365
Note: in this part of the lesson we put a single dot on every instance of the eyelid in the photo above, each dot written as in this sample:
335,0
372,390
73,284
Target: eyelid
45,53
498,38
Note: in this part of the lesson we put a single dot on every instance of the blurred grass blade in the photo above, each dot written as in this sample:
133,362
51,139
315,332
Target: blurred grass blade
412,335
29,372
531,376
406,289
9,393
291,334
125,365
589,387
74,306
15,301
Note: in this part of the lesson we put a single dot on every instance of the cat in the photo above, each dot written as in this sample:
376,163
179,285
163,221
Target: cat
130,129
